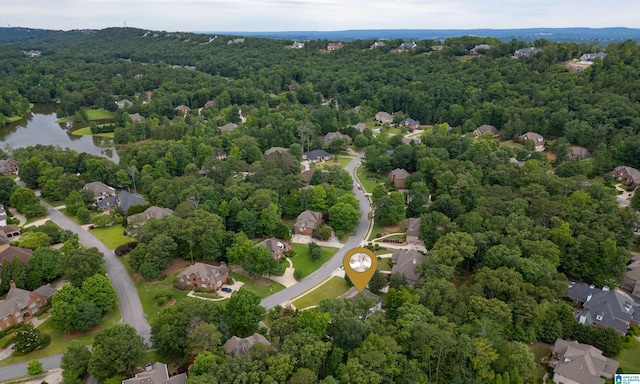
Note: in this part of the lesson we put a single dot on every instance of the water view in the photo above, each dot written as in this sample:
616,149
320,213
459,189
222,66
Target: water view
39,127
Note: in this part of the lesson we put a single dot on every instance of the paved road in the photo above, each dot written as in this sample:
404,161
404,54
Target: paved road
128,300
18,370
336,261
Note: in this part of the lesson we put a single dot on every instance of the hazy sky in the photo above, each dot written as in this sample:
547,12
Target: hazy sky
319,15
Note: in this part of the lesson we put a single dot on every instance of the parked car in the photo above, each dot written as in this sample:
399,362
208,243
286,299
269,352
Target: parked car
226,289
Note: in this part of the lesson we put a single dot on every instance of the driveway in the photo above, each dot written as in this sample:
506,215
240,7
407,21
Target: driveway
128,300
335,262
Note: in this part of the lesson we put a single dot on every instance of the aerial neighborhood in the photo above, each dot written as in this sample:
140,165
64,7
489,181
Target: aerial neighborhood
201,234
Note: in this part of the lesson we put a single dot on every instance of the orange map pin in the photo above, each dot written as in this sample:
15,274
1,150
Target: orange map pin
360,265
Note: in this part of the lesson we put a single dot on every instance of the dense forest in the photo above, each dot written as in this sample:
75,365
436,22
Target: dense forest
505,227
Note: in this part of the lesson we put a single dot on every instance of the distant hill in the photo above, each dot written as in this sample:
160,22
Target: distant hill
579,35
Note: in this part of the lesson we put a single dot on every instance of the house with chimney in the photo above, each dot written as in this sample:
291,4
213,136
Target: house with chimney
573,362
203,276
9,167
277,247
535,138
384,118
20,304
486,128
526,52
398,176
156,373
306,222
100,190
182,109
626,175
603,308
137,220
405,262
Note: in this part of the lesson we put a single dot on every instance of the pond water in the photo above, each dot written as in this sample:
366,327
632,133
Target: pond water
39,127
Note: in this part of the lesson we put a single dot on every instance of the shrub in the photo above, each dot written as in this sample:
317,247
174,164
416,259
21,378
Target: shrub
6,341
297,274
35,368
176,286
230,280
123,249
161,301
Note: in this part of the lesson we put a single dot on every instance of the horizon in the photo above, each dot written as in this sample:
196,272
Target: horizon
317,15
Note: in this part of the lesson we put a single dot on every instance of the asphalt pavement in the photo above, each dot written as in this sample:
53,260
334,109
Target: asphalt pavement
18,370
128,299
335,262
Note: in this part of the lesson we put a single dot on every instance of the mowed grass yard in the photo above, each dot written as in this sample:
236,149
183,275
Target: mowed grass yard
331,289
367,179
340,161
86,131
60,341
539,350
302,260
629,359
260,287
92,114
111,236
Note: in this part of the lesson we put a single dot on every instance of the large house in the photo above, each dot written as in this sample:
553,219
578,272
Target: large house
9,167
334,46
405,263
275,150
578,153
604,308
536,138
576,363
626,175
240,346
384,118
182,109
306,222
409,123
20,304
398,176
486,128
353,294
152,212
316,155
331,136
156,374
589,57
406,46
277,247
631,280
124,103
100,190
229,127
526,52
479,49
204,276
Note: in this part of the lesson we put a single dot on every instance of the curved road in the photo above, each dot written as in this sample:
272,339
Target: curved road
336,261
128,299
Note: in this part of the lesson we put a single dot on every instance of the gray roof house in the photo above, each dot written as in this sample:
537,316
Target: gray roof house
100,190
479,49
135,117
580,363
353,294
124,103
316,155
156,374
536,138
277,247
306,222
526,52
329,137
238,346
589,57
384,118
409,122
405,263
126,200
275,150
603,307
229,127
579,153
486,128
360,127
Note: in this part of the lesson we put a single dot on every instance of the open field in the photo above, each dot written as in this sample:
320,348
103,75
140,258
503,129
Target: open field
331,289
86,131
302,260
111,236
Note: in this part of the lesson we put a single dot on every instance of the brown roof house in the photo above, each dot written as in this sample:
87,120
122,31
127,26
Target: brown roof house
277,247
100,190
219,153
479,49
20,304
238,346
536,138
334,46
9,167
486,128
331,136
156,374
182,109
152,212
604,308
405,263
627,175
413,231
307,222
136,117
204,276
384,118
631,280
398,176
576,363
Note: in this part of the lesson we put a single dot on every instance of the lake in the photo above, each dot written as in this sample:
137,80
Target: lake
39,127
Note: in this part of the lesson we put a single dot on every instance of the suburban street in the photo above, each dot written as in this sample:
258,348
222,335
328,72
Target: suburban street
18,370
336,261
128,299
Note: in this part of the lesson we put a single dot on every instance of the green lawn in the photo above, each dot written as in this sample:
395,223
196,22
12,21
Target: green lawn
13,119
92,114
74,218
331,289
377,228
302,260
258,287
539,350
86,131
384,264
59,341
367,179
629,359
111,236
340,161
